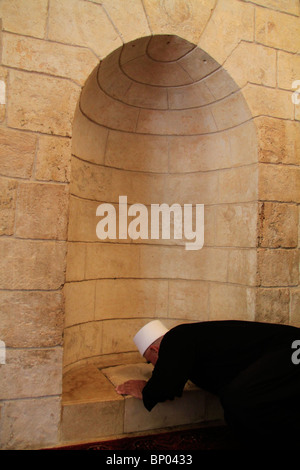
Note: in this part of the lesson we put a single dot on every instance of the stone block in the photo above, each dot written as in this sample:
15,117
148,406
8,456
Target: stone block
295,307
31,373
227,13
253,63
279,183
53,159
68,22
28,264
242,265
231,111
88,139
278,225
286,6
8,193
238,184
42,211
188,300
288,69
207,264
236,225
272,305
63,60
30,424
17,152
111,260
82,341
114,339
277,30
183,122
137,152
23,314
121,15
41,103
193,188
79,302
91,421
278,140
269,101
104,110
28,18
199,65
76,254
234,302
125,298
185,19
278,268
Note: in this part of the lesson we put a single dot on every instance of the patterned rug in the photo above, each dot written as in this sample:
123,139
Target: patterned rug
210,438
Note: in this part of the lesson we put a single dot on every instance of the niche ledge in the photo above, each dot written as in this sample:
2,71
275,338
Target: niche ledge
92,410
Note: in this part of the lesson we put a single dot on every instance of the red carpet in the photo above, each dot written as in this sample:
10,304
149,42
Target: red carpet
211,438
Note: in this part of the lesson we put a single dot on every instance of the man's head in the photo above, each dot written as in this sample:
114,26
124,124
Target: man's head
148,340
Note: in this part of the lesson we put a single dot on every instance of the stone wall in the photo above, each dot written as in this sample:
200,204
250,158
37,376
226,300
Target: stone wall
49,49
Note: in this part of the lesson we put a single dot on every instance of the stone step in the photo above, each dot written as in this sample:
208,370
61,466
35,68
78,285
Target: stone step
92,410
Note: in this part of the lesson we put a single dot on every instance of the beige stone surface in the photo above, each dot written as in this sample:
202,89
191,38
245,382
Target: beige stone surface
288,69
269,101
68,22
166,47
186,19
278,225
66,61
28,264
234,302
42,211
79,302
279,140
31,373
272,305
28,17
31,319
130,298
278,267
121,14
82,341
8,193
277,30
53,161
120,374
17,152
279,183
227,13
199,64
188,409
242,266
193,188
41,103
30,424
253,63
87,385
188,300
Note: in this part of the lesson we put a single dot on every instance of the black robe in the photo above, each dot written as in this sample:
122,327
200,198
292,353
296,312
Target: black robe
248,365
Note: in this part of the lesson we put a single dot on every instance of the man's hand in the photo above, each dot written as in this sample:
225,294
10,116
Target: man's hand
132,387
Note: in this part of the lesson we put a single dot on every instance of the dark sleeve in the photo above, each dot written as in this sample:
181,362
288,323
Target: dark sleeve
169,375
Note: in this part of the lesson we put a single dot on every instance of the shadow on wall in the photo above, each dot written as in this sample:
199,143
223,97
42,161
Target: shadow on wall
159,121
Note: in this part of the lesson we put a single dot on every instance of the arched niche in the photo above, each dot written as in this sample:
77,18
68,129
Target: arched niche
159,121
